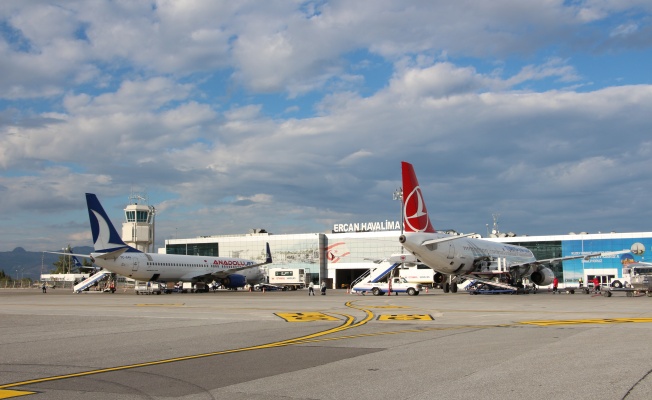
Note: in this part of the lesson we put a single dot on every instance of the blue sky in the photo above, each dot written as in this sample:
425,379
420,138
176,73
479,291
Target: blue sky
295,115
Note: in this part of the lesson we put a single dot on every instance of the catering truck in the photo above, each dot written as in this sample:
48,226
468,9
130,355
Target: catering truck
287,278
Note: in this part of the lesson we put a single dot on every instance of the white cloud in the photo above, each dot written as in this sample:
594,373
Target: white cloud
192,100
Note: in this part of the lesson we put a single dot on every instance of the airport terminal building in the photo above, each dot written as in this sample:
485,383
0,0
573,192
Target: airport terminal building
349,250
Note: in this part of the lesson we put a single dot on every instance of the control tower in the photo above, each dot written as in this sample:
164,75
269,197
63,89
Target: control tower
138,230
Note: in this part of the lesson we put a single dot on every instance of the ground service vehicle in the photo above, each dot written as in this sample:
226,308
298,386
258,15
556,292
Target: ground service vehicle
418,273
640,281
194,287
398,285
287,278
148,288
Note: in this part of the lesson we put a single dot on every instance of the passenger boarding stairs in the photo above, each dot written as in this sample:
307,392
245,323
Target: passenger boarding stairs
98,276
375,275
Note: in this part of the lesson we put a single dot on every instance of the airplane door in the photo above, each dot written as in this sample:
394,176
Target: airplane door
135,266
451,251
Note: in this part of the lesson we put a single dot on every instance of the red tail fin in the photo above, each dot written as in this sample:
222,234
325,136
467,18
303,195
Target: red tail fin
415,213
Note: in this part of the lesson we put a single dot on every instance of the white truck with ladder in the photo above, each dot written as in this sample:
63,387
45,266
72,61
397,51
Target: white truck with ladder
378,280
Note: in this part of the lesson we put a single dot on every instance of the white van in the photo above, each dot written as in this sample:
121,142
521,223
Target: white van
418,274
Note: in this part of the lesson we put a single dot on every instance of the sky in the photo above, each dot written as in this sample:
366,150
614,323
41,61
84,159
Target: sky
293,116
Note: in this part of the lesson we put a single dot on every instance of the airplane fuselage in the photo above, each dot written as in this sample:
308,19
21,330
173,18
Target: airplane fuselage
462,256
173,267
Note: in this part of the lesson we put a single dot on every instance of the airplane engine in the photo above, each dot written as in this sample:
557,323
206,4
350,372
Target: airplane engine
234,281
542,277
439,278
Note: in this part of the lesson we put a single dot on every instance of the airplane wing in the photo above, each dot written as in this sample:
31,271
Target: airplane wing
69,254
584,256
445,239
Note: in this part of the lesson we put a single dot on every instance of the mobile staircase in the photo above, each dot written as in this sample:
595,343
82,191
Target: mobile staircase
98,276
379,273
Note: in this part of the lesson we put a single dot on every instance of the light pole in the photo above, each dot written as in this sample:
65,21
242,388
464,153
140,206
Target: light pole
65,250
398,195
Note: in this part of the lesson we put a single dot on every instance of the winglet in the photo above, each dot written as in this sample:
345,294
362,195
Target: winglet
105,236
415,213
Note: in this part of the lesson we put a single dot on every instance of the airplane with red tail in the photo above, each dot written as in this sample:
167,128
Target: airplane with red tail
455,258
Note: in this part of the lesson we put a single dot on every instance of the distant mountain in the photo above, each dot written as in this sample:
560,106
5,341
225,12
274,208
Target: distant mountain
21,263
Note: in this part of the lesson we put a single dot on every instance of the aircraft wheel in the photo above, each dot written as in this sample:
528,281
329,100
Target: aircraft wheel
454,287
376,291
447,287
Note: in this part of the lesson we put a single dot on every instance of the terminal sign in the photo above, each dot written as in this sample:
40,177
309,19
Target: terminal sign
367,226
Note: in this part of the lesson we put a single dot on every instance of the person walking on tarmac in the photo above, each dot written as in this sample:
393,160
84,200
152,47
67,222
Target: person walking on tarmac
555,285
311,289
596,285
581,282
44,287
323,288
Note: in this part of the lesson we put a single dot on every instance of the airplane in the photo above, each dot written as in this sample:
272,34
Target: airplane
114,255
79,266
464,257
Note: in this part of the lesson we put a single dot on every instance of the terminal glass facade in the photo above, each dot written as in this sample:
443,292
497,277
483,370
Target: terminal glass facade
194,249
303,251
339,258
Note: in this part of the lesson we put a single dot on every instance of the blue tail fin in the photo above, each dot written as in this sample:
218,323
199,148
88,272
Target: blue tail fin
105,237
268,259
76,263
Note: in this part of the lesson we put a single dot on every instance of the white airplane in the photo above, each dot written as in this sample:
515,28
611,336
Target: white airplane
112,254
462,257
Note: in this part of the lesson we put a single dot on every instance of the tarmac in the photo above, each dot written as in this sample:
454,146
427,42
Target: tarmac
282,345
